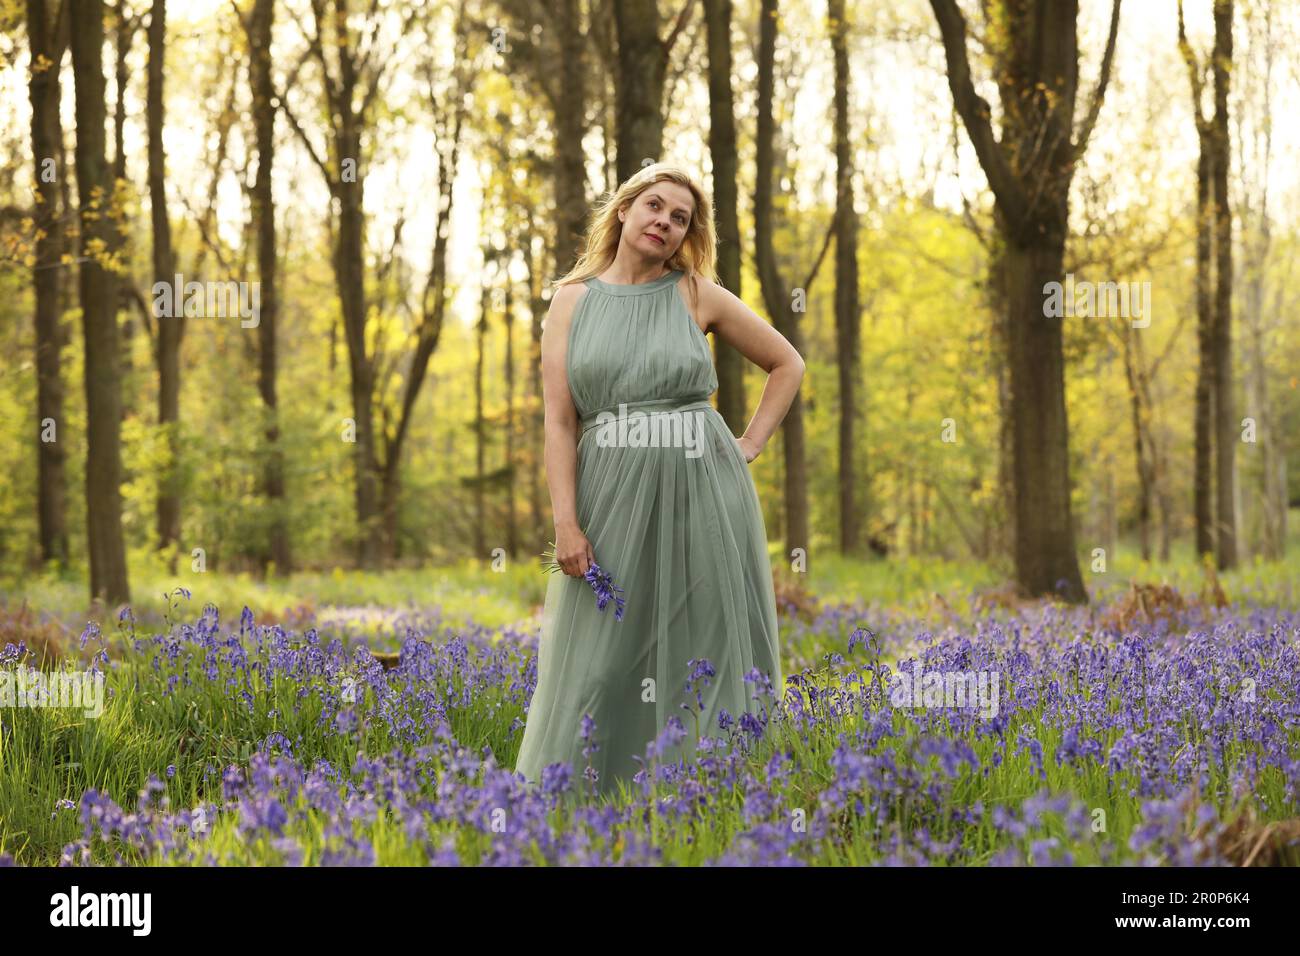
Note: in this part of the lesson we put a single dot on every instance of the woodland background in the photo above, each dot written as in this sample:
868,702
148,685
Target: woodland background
892,182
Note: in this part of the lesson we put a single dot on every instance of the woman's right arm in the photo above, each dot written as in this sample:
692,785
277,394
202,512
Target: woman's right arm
572,549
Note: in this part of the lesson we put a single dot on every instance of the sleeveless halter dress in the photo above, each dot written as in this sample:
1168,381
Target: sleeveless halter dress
673,516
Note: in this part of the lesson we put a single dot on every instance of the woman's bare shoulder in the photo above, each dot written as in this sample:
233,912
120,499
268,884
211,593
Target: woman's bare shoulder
570,290
563,301
568,293
707,293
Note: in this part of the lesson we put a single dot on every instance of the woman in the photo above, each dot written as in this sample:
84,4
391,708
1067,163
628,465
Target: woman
675,521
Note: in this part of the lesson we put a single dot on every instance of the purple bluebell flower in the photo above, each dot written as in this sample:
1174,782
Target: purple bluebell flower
600,580
92,630
603,584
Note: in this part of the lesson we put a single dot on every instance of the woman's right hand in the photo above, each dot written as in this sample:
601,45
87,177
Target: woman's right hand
573,551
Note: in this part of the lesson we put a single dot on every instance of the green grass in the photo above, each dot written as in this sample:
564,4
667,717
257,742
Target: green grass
472,591
47,755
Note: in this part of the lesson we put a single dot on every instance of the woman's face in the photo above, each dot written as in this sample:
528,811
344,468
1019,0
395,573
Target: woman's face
658,218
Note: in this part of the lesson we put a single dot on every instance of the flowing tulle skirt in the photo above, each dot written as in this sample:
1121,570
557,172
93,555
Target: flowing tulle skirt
684,537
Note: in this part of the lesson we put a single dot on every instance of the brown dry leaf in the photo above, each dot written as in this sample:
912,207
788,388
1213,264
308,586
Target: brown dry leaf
45,639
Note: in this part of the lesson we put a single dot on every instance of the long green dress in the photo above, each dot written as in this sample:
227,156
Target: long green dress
678,528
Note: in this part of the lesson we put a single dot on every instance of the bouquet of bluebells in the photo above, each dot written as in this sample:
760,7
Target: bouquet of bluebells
600,580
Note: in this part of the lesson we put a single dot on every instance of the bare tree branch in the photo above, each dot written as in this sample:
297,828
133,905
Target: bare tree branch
306,142
1194,70
683,18
1099,93
975,112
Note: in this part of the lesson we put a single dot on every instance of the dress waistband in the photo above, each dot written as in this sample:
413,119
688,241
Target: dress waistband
657,404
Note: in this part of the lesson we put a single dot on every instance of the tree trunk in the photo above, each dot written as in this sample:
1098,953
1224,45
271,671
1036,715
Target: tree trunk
449,121
170,329
1269,526
1166,522
124,36
1227,429
639,84
570,128
722,150
913,513
1046,560
1203,479
559,66
351,78
507,320
108,573
1142,443
1158,453
1029,168
480,432
777,295
350,275
1003,509
47,40
847,310
1112,508
1203,453
1272,452
277,553
537,407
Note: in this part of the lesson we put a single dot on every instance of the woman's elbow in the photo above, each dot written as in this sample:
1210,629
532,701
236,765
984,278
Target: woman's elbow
557,426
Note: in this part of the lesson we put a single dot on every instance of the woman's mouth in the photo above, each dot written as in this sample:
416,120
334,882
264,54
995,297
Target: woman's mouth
655,238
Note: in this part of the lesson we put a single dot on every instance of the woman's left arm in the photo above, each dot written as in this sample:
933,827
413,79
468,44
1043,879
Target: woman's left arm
738,325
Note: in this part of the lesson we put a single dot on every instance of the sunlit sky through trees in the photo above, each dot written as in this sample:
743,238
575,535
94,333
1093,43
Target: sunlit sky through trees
1144,148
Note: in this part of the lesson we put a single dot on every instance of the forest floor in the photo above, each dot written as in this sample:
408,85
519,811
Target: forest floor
340,716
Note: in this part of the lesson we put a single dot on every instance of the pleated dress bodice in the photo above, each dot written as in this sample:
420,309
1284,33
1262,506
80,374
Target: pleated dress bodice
636,344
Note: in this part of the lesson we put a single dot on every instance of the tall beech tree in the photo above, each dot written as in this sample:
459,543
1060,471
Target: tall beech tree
48,39
126,22
848,316
1203,414
1226,427
108,574
1216,429
640,68
547,46
258,27
778,298
1029,169
449,106
351,75
722,151
170,329
1254,123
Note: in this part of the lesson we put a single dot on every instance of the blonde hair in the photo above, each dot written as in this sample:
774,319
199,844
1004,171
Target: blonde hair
696,256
